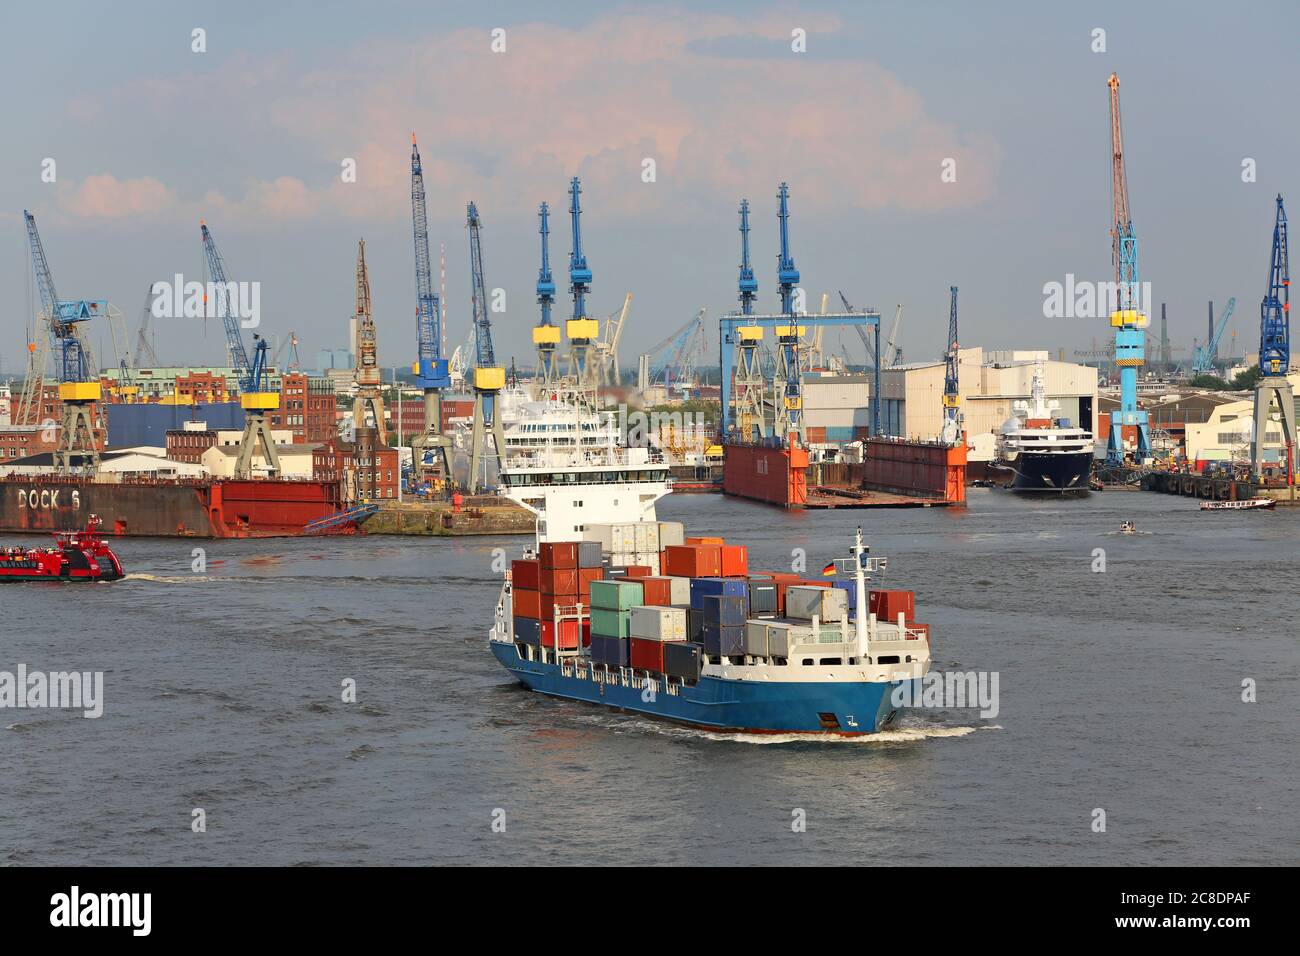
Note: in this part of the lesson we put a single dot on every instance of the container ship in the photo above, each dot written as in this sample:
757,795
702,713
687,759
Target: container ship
1045,453
629,613
216,508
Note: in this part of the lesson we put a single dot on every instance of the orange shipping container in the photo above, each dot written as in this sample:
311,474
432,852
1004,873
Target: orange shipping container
558,581
887,605
568,632
735,561
559,554
528,603
657,591
693,561
712,541
639,570
585,577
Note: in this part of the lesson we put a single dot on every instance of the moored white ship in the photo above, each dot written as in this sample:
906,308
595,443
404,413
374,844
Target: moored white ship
1045,453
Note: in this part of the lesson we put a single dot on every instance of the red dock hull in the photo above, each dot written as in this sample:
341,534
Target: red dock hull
199,509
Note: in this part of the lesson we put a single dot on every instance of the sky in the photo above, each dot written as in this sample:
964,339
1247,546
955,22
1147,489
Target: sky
148,136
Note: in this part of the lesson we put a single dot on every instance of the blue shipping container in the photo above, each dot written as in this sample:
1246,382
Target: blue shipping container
725,609
528,631
614,651
701,587
724,640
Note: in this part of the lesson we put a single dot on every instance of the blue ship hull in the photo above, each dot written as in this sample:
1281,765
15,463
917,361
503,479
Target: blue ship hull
772,707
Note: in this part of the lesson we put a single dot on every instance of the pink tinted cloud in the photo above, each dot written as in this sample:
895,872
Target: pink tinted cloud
508,129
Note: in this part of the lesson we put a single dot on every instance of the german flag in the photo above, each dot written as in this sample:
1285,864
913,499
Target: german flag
829,570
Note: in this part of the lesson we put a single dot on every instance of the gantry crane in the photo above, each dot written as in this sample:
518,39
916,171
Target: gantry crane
489,377
581,330
951,433
432,372
1275,355
255,395
606,347
79,387
546,336
1128,320
786,384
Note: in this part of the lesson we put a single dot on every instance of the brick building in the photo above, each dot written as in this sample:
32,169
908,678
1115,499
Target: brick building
368,473
308,408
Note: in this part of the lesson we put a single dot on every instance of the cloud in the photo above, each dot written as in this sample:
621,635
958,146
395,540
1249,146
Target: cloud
104,196
508,129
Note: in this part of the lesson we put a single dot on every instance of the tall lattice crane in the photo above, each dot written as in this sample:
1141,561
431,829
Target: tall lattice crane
1275,354
786,383
432,374
581,329
546,336
1128,320
951,433
367,374
79,387
489,377
255,395
750,388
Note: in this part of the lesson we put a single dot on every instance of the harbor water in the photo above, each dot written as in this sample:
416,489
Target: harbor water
225,675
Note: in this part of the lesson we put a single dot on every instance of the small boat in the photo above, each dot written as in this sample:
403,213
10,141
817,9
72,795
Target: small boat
1127,527
1244,504
76,556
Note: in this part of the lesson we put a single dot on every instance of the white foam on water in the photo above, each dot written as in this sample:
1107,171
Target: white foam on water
894,736
169,579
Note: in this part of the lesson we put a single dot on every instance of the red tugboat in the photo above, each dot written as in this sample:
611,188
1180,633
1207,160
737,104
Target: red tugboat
77,556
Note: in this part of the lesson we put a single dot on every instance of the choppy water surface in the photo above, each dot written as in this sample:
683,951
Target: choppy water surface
1120,690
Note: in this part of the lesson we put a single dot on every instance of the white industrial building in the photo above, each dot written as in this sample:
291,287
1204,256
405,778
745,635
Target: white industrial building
988,382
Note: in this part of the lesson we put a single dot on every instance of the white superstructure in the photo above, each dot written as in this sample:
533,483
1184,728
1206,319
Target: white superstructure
571,469
1036,428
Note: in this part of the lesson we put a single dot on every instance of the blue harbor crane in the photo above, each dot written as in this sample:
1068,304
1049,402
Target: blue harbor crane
1203,357
951,433
1275,356
431,448
489,378
546,336
79,387
1128,320
787,380
748,284
255,395
582,331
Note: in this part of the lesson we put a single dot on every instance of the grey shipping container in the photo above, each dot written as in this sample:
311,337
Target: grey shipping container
756,638
805,601
762,598
589,554
725,609
683,660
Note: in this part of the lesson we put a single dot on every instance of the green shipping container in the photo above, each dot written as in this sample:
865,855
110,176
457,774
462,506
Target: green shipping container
616,596
609,623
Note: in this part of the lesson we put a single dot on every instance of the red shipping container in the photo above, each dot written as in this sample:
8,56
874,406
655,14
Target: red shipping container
524,574
818,583
887,605
559,554
585,577
639,570
647,655
693,561
559,581
657,591
586,632
735,561
568,631
548,602
527,603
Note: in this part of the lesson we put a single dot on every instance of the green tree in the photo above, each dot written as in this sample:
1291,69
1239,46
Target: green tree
1212,382
1247,380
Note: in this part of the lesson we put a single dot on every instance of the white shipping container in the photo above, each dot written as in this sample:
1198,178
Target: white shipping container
647,536
658,623
679,590
756,638
671,533
806,601
649,559
779,638
624,535
604,533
